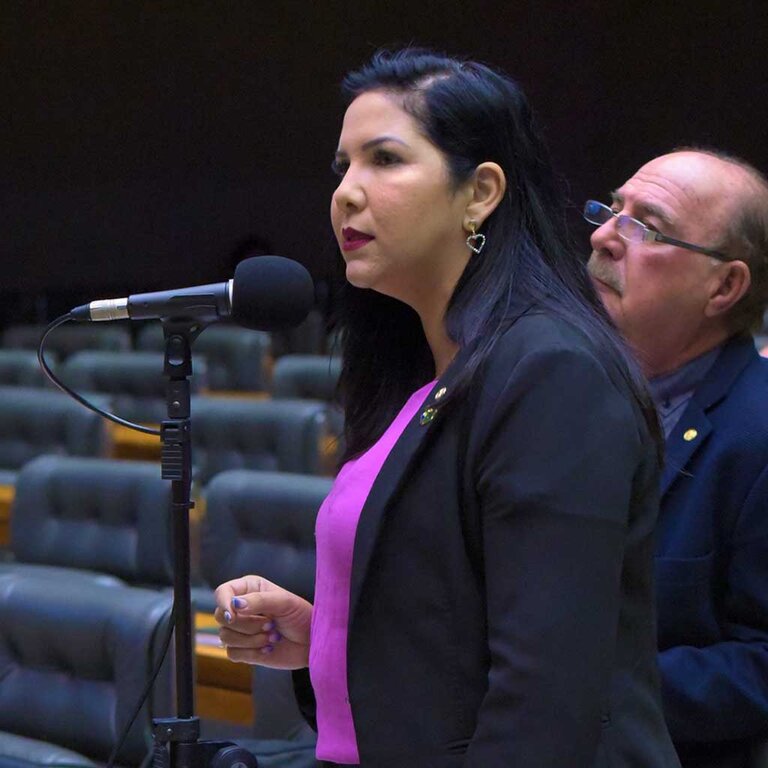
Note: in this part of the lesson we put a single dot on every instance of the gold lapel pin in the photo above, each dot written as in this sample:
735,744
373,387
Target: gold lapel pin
440,392
690,434
427,415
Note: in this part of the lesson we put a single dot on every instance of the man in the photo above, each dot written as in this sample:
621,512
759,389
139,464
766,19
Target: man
680,259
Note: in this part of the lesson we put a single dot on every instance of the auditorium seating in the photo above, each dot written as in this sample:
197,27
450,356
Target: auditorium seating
73,663
69,338
310,377
111,517
308,338
262,522
242,433
237,358
34,421
134,381
19,368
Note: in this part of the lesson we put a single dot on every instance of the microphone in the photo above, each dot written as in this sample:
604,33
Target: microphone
267,293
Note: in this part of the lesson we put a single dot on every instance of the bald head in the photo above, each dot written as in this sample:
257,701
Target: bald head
674,301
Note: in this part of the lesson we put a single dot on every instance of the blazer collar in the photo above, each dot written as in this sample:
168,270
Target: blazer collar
694,427
400,461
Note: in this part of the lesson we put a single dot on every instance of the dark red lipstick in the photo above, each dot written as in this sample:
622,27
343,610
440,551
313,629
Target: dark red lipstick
354,239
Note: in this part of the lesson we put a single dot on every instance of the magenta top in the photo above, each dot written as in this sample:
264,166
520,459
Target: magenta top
335,538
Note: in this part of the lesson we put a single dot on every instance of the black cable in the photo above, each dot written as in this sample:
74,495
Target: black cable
145,693
80,399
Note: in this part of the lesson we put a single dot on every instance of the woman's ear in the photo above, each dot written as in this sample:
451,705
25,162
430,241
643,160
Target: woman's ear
734,279
488,185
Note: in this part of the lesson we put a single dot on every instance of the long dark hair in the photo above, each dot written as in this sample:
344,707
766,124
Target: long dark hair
472,114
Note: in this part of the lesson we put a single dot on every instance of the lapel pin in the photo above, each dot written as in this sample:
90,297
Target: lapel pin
440,392
427,415
690,434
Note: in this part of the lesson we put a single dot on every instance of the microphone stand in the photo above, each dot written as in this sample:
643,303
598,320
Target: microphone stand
176,739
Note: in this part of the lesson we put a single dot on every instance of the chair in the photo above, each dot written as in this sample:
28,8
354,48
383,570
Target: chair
242,433
309,338
237,358
102,515
134,381
34,421
73,663
310,377
262,522
19,368
66,340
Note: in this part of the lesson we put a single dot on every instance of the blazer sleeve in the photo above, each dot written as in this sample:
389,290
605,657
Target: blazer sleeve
719,692
556,457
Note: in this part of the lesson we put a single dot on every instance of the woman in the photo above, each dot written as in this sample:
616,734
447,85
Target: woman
483,587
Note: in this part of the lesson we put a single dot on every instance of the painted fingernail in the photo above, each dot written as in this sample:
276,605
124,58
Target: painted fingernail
267,649
238,602
268,627
275,637
227,617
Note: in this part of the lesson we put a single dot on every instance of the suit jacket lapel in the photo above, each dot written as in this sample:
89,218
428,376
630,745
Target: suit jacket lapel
390,479
400,463
694,426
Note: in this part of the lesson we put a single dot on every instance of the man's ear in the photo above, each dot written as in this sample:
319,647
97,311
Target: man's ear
488,185
733,281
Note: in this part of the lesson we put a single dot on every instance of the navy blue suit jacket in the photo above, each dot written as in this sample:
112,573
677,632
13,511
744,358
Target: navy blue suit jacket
712,564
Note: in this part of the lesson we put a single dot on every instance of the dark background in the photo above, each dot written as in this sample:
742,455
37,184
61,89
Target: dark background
142,141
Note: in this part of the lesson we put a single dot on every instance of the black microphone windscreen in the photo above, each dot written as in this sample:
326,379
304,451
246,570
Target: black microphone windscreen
270,293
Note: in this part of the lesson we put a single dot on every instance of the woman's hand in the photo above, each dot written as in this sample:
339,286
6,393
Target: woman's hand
262,623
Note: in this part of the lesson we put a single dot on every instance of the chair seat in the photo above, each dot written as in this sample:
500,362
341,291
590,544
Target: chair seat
21,752
60,573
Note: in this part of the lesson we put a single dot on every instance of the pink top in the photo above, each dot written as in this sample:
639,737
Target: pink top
335,538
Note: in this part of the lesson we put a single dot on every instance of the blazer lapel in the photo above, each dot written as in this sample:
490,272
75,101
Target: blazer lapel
694,426
390,479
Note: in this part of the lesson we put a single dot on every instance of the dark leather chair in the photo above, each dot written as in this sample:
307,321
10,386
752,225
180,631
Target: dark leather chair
100,515
237,357
68,339
262,522
133,380
308,338
19,368
243,433
34,421
308,377
73,663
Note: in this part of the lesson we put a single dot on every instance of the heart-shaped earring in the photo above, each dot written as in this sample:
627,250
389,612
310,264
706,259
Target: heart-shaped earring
475,241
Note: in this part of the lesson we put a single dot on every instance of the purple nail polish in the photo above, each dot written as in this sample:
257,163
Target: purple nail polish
275,637
238,602
267,649
227,617
268,627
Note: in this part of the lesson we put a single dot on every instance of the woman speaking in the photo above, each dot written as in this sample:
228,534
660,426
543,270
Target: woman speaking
483,594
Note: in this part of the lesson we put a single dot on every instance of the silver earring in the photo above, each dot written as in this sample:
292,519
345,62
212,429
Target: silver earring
475,240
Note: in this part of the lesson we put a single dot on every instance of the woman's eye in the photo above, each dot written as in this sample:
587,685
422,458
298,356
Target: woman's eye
383,157
339,167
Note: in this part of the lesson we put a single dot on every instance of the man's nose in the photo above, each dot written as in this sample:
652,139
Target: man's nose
606,239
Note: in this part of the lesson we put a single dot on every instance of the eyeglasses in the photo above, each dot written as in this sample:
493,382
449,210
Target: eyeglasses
635,231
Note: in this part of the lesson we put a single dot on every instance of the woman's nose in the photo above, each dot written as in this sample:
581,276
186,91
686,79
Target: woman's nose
349,194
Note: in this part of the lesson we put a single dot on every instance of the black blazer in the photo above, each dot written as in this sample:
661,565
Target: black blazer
501,608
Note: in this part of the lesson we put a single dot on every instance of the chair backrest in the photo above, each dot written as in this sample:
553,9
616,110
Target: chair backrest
262,522
19,368
68,339
308,338
311,377
236,357
73,663
96,514
34,421
134,381
243,433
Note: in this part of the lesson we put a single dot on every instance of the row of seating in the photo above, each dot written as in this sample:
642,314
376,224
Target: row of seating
227,433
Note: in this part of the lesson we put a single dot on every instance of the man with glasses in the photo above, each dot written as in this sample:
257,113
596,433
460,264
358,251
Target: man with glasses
680,260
